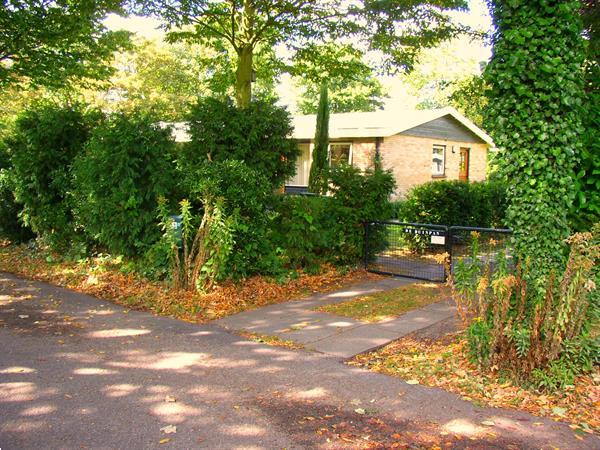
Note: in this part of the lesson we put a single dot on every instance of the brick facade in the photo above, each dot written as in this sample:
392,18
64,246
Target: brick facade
409,158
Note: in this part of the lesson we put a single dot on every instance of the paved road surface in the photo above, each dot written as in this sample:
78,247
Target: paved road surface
77,372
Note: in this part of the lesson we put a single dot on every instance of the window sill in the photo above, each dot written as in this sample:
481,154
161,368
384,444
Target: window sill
438,176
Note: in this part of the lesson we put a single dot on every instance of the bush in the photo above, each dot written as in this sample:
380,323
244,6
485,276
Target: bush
359,198
247,194
119,177
479,204
307,231
257,135
10,226
313,230
45,141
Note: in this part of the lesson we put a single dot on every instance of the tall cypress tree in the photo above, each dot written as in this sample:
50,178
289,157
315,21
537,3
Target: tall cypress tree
534,115
318,178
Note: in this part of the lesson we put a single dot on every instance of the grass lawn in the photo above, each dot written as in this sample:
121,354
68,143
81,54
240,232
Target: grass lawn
389,304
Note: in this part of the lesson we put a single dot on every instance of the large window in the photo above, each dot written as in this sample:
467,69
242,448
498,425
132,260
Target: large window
340,153
438,161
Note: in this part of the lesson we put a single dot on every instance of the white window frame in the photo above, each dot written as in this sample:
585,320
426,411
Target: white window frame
350,155
443,172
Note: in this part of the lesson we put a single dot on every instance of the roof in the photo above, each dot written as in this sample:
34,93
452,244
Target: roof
380,123
361,124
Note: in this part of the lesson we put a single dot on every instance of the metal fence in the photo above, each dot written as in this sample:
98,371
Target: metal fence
426,251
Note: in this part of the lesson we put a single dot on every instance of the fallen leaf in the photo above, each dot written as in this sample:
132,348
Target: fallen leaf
488,423
359,411
23,316
412,382
164,440
169,429
170,399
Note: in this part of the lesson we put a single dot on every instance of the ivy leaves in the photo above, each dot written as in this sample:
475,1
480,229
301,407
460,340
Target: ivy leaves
534,115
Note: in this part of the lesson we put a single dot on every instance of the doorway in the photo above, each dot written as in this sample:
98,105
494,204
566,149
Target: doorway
463,169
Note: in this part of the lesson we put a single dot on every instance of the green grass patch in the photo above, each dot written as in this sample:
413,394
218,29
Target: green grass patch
389,304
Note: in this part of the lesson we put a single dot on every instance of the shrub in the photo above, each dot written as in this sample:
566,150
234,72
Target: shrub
119,177
199,249
479,204
307,231
42,147
314,230
546,342
247,194
10,226
359,198
257,135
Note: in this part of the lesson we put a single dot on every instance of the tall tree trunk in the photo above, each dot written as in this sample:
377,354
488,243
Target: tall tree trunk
245,51
243,81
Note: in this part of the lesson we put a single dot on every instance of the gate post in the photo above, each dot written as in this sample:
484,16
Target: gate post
449,251
366,246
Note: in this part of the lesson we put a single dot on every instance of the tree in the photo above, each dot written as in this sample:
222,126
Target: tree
51,43
351,83
317,181
534,116
399,30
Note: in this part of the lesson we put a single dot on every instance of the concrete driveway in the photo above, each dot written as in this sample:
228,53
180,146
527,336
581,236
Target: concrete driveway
78,372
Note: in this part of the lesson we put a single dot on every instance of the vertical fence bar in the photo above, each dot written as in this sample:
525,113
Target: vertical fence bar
449,251
366,246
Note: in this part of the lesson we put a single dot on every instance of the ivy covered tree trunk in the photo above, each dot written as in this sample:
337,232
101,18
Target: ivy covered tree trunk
317,181
534,116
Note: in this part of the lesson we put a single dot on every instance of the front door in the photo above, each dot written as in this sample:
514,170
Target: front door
463,170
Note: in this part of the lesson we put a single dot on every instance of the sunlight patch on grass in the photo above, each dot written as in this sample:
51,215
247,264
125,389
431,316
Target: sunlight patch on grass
389,304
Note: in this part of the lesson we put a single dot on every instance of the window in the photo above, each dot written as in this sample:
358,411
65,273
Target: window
438,161
340,154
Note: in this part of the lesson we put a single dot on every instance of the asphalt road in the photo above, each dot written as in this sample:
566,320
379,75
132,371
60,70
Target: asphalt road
79,372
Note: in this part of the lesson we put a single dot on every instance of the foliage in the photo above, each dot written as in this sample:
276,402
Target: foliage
45,141
534,116
306,231
52,43
351,82
199,248
359,198
10,227
586,208
125,167
312,230
447,76
317,181
246,194
246,25
478,204
257,135
546,342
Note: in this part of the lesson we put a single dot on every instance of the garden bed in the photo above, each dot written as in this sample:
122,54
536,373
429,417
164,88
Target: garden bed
389,304
111,279
439,359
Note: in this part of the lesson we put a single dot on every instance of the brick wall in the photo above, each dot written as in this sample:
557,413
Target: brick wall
409,158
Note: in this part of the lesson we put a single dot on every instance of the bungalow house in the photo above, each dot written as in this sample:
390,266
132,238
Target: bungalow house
417,145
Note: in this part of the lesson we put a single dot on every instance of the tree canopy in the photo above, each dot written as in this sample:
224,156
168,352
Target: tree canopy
396,29
50,43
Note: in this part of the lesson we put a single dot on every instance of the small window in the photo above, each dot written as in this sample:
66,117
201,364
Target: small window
340,154
438,162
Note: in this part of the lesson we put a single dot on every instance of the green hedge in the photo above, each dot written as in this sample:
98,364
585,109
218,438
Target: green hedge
478,204
311,230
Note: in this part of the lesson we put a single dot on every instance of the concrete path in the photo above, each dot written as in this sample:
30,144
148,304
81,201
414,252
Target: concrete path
77,372
334,335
